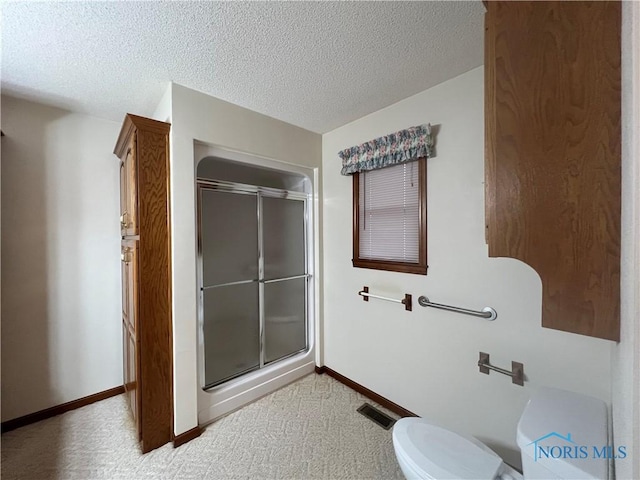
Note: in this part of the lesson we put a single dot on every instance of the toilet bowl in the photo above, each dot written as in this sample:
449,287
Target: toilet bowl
428,451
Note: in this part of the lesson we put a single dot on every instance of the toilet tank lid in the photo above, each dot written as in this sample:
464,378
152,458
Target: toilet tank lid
574,422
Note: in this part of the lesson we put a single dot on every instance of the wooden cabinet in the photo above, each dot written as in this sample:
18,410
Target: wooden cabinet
143,150
553,146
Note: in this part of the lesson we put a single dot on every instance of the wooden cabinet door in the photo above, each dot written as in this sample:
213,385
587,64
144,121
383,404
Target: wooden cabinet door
129,257
123,196
553,154
129,191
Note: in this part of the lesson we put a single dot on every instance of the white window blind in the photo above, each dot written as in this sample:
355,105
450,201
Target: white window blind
389,216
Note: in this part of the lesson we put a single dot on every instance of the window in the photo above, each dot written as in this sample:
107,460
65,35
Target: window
390,218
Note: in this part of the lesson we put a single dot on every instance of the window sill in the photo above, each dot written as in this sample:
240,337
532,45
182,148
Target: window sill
391,266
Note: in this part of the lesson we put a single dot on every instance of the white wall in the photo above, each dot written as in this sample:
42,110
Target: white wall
196,116
61,322
425,360
163,109
625,368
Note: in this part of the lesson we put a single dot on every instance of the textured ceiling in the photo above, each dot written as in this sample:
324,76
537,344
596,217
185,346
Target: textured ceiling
318,65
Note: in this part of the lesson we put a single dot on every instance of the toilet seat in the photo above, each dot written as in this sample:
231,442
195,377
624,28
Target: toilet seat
433,452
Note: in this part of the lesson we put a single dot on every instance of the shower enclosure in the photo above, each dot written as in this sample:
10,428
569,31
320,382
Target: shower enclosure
254,273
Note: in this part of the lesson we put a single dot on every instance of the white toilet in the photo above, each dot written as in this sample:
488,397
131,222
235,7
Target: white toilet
555,426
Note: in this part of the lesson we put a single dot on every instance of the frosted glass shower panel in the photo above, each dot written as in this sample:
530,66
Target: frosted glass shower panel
285,318
231,331
229,237
283,237
253,278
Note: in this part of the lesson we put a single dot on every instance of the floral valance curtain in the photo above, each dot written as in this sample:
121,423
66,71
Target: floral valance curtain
400,147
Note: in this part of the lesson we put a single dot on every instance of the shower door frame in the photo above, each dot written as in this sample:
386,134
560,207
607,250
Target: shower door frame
259,192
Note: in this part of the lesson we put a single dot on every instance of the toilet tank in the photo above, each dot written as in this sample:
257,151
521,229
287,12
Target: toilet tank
563,435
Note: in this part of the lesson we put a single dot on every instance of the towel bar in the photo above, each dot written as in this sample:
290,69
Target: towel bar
406,301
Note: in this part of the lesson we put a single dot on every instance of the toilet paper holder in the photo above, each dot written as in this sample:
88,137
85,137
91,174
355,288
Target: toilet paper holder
516,373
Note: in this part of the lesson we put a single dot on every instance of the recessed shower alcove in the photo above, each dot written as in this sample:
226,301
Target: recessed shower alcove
256,285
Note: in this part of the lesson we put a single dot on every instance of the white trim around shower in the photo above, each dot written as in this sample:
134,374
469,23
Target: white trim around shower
228,396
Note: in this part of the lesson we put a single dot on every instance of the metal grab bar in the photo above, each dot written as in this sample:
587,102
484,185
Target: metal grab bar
487,312
406,301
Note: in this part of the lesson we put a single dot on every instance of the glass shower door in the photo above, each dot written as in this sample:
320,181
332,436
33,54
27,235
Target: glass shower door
230,286
285,277
254,282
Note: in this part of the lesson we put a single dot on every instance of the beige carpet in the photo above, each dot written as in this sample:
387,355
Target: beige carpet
309,429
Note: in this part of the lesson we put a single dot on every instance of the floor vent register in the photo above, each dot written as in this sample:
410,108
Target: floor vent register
375,415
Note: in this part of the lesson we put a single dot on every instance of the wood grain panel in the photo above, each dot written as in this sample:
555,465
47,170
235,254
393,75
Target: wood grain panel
130,315
123,194
555,187
155,336
489,122
130,215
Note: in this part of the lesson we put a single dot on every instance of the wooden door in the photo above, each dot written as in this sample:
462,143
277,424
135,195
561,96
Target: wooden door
129,257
